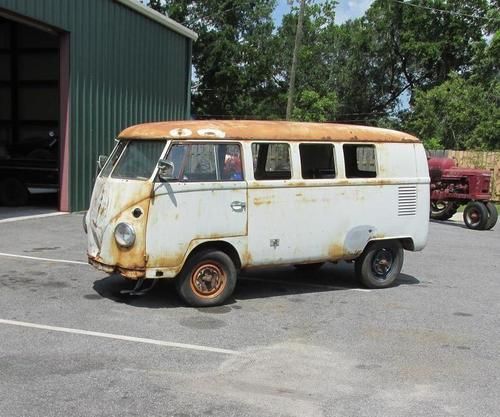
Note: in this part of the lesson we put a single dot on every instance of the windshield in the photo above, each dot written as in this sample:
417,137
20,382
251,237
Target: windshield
139,159
110,163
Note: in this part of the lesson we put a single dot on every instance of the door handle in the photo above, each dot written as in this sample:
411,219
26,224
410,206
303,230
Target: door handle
238,205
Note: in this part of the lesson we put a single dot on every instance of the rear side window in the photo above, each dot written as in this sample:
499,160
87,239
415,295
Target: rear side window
206,162
360,161
317,160
271,161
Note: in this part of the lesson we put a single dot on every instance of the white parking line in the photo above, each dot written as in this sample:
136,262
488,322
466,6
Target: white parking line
34,216
119,337
36,258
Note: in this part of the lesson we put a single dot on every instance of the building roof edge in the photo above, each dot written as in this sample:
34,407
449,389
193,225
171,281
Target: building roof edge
159,18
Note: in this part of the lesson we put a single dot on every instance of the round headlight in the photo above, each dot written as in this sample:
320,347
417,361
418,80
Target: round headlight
124,235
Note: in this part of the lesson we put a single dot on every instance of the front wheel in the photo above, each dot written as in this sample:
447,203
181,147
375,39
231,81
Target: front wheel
380,263
476,215
207,279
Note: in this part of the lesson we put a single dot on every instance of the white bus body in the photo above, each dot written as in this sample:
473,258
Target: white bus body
292,195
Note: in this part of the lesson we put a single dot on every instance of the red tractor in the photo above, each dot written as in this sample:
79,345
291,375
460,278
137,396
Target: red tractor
452,186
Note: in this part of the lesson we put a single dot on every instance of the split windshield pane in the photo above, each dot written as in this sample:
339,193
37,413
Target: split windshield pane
139,160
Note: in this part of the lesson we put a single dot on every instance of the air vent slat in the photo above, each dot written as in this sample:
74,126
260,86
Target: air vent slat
407,200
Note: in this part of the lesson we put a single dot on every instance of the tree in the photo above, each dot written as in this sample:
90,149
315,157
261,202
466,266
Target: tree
314,55
458,114
311,107
233,56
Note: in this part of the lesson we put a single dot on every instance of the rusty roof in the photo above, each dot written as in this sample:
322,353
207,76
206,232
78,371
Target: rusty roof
263,130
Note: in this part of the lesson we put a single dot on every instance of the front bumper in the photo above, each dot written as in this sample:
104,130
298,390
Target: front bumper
110,269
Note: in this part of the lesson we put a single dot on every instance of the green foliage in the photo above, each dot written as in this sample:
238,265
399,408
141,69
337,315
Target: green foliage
311,107
427,66
233,56
457,114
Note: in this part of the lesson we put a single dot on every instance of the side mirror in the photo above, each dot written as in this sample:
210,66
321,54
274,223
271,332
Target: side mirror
166,170
101,161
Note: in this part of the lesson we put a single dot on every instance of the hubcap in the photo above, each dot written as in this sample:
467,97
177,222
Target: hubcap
438,206
474,216
382,263
208,280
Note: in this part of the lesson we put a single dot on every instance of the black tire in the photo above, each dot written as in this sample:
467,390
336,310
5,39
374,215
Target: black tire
443,209
193,283
13,193
309,267
476,215
380,263
493,215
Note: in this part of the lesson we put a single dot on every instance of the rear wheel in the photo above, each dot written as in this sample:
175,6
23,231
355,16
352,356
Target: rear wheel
380,263
443,209
493,215
476,215
207,279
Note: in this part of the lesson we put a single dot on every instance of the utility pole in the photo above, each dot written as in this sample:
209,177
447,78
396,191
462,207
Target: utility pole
293,71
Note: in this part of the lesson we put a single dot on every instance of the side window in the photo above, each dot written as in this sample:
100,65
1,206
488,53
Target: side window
177,155
360,161
271,161
206,162
201,164
317,160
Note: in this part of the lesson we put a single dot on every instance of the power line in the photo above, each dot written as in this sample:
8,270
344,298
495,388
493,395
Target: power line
419,6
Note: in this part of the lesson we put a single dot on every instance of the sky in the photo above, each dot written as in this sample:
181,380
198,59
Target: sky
346,9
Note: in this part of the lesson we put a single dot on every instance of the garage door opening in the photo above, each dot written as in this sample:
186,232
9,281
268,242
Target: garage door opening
30,108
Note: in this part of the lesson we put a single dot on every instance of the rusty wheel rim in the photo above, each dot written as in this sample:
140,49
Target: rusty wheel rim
208,280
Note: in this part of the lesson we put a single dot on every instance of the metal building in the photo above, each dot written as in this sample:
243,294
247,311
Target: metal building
83,70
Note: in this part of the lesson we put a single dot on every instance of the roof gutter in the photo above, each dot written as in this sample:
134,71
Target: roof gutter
159,18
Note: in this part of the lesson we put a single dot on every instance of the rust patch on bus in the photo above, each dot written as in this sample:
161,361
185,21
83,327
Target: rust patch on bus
266,130
126,272
335,251
262,201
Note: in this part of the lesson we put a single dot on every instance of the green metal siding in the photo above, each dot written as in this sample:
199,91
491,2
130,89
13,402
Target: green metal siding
124,69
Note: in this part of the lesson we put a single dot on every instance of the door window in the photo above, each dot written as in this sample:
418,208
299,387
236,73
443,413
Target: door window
195,162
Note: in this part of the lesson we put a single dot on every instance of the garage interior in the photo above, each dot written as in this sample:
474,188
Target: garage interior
29,114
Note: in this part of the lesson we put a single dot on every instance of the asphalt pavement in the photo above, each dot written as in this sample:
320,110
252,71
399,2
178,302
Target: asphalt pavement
290,343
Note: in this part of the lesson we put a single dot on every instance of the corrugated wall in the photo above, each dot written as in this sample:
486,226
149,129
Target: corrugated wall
124,69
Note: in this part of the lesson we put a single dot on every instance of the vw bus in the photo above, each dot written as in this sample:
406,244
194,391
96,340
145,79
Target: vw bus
199,201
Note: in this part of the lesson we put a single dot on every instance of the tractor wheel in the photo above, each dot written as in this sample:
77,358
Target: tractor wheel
493,215
207,279
443,209
476,215
380,263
